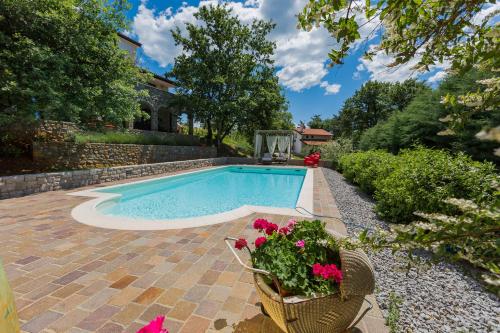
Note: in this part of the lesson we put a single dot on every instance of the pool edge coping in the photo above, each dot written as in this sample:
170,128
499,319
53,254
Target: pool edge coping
86,212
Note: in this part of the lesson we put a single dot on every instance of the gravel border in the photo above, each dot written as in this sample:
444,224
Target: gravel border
439,298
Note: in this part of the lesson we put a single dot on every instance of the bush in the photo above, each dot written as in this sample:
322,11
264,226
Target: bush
418,179
423,178
334,150
132,138
470,235
364,168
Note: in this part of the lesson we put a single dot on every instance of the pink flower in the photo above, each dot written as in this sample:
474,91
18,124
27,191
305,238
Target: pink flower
284,231
260,241
271,227
155,326
260,224
300,243
240,243
291,224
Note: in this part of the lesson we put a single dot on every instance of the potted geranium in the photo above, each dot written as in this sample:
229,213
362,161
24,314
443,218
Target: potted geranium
306,278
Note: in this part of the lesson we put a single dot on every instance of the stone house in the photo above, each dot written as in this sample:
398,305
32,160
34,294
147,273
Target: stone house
163,117
304,138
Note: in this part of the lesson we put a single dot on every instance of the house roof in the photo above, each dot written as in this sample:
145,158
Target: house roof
315,131
314,143
127,38
164,79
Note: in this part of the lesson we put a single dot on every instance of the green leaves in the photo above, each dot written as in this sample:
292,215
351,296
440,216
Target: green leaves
430,31
64,64
293,265
226,73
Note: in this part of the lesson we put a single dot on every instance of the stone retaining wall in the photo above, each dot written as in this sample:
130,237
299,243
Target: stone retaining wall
55,131
98,155
21,185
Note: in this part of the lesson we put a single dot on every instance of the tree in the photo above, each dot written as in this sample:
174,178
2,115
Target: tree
420,122
316,122
60,60
430,31
226,73
373,102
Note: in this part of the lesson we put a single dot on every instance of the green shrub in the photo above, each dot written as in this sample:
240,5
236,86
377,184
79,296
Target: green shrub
364,168
132,138
334,150
423,178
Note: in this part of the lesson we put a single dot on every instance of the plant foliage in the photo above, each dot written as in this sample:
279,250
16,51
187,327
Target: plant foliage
429,31
292,252
373,102
60,60
226,73
419,179
420,122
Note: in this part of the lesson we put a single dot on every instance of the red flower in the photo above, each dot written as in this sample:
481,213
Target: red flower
240,243
260,241
271,227
317,269
284,231
328,272
260,224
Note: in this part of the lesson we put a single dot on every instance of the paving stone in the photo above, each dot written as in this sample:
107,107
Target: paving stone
182,310
170,296
70,277
40,322
195,324
68,320
67,290
97,318
196,294
123,282
154,311
129,313
149,295
110,328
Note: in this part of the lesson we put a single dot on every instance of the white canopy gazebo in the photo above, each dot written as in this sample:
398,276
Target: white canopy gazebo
272,141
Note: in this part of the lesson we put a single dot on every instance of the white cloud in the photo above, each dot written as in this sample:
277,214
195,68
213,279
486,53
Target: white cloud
300,55
377,67
330,89
437,77
487,10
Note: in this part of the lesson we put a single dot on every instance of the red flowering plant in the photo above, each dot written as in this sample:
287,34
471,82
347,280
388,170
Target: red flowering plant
303,256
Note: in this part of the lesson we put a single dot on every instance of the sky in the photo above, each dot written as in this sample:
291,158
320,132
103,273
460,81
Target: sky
300,57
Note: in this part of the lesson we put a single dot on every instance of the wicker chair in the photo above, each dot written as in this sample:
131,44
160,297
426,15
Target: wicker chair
327,314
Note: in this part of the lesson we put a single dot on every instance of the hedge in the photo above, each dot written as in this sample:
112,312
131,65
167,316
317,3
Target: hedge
419,180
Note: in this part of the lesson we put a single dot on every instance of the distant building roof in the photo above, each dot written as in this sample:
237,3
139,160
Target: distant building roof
314,143
164,79
314,131
127,38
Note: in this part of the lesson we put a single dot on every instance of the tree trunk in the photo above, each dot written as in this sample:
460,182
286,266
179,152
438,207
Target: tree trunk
209,132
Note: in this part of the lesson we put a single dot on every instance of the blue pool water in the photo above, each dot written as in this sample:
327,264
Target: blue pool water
207,192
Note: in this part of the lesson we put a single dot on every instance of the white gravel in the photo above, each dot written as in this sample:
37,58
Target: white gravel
439,298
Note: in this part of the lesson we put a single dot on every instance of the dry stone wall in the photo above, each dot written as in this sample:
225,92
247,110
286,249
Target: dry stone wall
98,155
21,185
55,131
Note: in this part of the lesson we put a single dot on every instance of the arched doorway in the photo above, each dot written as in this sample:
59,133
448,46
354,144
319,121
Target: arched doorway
167,120
143,123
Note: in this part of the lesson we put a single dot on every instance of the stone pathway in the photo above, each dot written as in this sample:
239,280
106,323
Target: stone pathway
69,277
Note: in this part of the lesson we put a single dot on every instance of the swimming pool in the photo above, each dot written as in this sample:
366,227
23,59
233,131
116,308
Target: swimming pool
198,198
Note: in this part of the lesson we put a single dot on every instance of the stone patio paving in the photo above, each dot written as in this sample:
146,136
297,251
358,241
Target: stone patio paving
70,277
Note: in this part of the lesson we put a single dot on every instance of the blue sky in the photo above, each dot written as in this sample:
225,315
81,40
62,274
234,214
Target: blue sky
310,87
